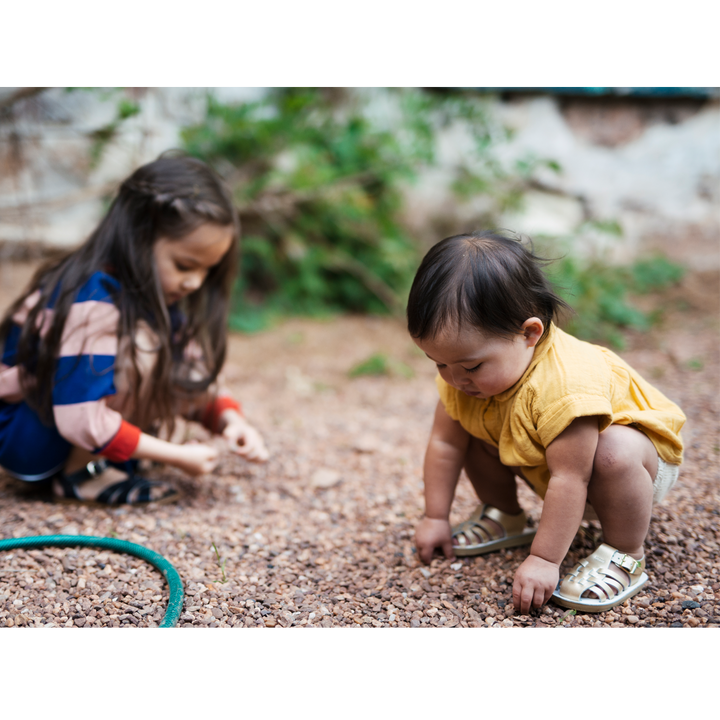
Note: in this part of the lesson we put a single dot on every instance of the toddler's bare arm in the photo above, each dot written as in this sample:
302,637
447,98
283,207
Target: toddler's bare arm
570,459
444,459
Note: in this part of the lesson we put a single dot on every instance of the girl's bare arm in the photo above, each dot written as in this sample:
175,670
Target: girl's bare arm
194,459
242,437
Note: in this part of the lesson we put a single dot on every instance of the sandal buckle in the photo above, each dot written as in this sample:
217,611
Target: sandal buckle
95,467
626,562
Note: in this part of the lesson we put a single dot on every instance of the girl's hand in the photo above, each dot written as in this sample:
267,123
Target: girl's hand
196,459
535,581
243,439
431,534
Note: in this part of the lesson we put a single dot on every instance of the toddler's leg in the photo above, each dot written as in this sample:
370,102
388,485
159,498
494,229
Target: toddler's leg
621,493
499,520
621,487
494,482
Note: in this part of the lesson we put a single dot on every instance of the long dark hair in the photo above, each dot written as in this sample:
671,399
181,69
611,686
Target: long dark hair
170,198
486,279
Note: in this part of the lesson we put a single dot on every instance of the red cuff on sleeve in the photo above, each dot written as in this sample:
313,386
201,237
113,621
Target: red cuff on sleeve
215,408
123,445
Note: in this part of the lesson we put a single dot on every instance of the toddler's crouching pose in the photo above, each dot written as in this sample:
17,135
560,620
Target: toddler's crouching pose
123,335
518,396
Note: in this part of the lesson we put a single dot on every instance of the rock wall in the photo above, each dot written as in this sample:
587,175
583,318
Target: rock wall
54,184
650,168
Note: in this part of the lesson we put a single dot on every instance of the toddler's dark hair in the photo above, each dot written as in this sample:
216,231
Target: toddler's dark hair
485,279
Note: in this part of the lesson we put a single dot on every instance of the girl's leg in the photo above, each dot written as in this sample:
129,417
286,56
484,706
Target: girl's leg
91,488
124,378
30,450
621,487
111,486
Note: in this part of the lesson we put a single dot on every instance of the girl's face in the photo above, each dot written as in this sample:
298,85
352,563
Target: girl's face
183,263
482,365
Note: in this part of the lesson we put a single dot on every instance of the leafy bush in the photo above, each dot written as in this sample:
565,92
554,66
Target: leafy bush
318,176
319,180
599,294
380,364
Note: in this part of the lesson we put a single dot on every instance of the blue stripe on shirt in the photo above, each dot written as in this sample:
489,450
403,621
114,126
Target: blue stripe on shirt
84,378
99,286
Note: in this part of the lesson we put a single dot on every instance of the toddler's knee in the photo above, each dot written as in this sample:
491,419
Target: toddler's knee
622,449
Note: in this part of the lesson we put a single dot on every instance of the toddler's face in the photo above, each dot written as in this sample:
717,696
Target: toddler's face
183,264
482,365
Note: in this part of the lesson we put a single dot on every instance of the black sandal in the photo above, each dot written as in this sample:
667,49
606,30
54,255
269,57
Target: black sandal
117,494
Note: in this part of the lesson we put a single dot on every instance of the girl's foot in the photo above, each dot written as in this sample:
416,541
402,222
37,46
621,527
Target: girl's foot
100,483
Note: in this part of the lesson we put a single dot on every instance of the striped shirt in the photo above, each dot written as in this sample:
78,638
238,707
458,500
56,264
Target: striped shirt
85,372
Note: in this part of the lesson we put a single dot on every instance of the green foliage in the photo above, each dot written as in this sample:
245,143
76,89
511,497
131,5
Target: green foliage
101,137
380,364
599,294
318,177
655,274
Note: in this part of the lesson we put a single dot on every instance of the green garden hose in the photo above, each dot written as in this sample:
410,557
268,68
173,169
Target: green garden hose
120,546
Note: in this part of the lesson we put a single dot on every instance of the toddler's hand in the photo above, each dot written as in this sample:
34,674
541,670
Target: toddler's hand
535,581
197,459
431,534
245,440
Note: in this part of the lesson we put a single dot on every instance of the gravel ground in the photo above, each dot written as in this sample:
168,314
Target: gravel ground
321,536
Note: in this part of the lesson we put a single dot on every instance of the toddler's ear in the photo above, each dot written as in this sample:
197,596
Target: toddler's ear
533,329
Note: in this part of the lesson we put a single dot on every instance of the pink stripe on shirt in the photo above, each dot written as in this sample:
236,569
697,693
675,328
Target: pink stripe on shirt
89,425
90,329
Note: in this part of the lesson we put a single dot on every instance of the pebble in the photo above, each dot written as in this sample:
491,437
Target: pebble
325,478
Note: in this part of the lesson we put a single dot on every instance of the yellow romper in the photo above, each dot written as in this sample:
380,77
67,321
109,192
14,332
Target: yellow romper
567,378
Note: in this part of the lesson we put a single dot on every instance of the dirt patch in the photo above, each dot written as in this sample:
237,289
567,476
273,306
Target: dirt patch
322,534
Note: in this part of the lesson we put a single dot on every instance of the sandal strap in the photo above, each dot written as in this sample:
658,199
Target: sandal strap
71,481
473,532
474,525
91,470
118,493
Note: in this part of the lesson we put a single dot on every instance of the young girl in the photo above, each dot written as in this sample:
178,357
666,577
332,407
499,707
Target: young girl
120,337
518,396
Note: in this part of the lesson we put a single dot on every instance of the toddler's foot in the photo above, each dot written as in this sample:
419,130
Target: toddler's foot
489,529
601,581
99,483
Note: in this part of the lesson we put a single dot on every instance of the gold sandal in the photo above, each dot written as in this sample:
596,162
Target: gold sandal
601,581
477,528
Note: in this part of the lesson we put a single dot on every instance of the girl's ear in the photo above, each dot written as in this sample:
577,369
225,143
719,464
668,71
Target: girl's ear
533,329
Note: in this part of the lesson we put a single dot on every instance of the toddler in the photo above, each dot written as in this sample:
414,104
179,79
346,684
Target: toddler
120,337
518,396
